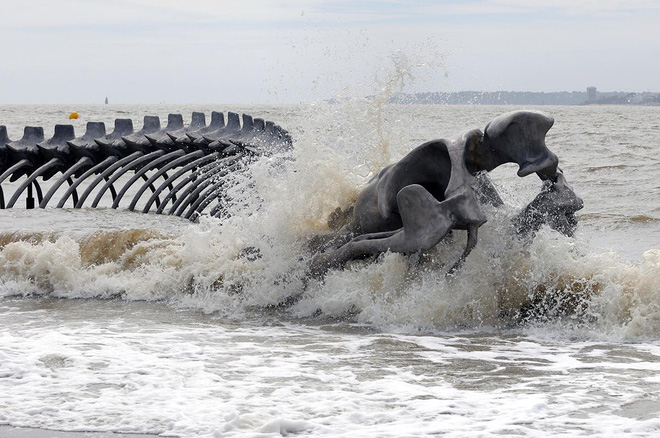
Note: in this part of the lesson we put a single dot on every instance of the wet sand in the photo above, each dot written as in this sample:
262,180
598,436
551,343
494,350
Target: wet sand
24,432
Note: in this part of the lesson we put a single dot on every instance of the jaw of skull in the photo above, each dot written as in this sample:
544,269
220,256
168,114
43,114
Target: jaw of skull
557,204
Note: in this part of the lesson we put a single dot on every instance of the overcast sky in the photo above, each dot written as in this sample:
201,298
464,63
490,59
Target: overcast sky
252,51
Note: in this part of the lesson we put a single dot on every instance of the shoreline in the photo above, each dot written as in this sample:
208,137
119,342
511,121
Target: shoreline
7,431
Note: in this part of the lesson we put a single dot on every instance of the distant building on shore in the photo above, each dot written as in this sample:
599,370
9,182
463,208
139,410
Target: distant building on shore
591,94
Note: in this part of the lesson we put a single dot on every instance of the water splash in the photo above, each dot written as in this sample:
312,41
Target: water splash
405,65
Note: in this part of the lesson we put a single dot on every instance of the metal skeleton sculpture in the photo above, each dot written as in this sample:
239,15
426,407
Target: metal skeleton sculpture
409,206
198,156
413,204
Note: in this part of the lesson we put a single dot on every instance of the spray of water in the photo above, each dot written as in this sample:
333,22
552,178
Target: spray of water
402,69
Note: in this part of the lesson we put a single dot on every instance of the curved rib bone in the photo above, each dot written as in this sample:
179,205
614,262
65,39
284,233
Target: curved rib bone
110,156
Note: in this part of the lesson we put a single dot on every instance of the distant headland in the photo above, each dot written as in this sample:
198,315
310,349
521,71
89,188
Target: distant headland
589,97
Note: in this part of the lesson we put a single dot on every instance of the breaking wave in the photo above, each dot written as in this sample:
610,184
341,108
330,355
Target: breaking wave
248,264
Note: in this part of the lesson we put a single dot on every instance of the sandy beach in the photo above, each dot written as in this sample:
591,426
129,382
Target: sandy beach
22,432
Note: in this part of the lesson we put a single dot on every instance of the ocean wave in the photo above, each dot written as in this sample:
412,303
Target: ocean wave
608,167
618,218
504,283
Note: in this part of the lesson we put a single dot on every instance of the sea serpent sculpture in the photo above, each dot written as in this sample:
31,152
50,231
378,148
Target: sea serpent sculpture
407,207
199,157
412,205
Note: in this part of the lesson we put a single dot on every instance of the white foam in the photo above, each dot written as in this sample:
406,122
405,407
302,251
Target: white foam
131,367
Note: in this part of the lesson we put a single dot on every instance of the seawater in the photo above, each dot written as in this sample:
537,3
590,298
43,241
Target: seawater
118,321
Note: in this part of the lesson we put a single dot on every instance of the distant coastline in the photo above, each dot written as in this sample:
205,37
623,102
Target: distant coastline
529,98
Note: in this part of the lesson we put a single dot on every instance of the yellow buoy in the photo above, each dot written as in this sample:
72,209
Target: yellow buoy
73,115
